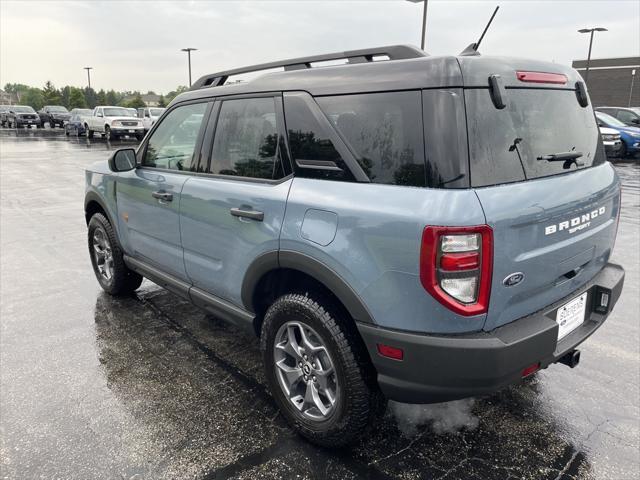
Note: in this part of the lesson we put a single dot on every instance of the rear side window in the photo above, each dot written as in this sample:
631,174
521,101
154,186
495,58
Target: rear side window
246,140
384,131
512,144
173,142
310,143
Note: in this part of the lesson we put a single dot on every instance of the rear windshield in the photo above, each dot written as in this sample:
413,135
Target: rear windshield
511,144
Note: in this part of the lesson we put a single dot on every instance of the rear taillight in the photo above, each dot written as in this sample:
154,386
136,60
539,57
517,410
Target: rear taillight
542,77
456,265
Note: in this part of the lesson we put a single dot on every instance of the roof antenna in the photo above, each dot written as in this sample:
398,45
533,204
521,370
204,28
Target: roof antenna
472,49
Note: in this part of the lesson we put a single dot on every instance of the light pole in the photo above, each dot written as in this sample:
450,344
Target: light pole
189,50
88,69
633,77
424,20
590,30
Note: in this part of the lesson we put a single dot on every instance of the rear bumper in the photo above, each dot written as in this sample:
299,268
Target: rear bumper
442,368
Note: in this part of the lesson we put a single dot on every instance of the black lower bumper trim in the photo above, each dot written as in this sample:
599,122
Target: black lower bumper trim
442,368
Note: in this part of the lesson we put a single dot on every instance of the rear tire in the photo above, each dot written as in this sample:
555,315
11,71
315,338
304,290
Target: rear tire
106,258
305,392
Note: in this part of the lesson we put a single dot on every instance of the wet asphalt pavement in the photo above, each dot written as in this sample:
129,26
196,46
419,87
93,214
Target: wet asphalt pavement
151,387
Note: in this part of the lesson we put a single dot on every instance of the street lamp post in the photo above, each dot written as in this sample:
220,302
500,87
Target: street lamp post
189,50
424,20
633,77
590,30
88,69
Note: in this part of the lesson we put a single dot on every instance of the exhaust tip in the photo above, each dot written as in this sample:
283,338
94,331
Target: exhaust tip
571,359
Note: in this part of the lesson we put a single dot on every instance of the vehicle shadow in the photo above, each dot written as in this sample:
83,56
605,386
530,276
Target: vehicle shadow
197,384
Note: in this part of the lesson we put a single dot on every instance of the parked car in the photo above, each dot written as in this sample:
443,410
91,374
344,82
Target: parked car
629,116
75,124
53,115
149,116
4,109
20,116
611,141
630,136
113,122
387,229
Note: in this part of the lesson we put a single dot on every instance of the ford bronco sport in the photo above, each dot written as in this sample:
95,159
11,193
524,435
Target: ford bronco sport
402,226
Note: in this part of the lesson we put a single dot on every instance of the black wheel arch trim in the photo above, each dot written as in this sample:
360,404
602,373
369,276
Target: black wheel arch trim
288,259
94,197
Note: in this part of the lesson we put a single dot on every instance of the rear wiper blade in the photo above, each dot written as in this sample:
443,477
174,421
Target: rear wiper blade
569,158
561,157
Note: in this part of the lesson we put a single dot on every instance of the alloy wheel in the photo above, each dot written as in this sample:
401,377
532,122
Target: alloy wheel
305,371
103,254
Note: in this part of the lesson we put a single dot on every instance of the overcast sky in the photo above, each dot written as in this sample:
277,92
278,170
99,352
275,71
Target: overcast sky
136,45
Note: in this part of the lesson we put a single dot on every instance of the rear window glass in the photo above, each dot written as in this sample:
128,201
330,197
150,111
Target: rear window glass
384,131
508,145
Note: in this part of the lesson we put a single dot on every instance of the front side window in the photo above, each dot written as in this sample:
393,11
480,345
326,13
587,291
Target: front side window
384,131
172,144
246,140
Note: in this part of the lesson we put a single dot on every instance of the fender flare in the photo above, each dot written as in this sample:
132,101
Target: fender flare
92,196
292,260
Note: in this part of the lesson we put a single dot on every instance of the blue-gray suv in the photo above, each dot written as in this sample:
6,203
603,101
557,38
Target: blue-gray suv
400,226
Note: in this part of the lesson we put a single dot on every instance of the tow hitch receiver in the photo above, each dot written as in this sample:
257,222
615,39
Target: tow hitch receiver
571,359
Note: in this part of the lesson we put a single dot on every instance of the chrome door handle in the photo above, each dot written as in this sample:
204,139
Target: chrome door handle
167,197
252,214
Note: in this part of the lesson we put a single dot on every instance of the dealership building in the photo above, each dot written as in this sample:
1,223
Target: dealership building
612,81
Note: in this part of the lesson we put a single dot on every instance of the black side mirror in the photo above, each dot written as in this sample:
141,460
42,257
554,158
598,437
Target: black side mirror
123,160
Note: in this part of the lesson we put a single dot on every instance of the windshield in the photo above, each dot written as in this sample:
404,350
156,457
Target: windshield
116,112
609,120
541,132
21,109
156,112
58,109
81,111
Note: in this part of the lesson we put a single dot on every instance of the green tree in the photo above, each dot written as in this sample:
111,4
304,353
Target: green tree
90,97
33,97
18,88
161,101
102,97
51,94
76,98
174,93
135,102
112,98
65,94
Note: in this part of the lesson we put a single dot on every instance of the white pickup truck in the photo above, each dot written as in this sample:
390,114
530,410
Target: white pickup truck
149,116
113,122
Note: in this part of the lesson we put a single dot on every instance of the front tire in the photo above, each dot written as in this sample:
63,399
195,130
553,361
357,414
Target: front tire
318,370
106,257
89,132
623,151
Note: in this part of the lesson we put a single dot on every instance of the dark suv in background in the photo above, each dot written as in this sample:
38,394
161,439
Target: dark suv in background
20,116
54,115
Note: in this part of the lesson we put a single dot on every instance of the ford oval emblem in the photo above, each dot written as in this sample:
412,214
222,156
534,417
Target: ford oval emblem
513,279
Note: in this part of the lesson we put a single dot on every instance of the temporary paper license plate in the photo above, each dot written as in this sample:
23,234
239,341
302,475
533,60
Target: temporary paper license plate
571,315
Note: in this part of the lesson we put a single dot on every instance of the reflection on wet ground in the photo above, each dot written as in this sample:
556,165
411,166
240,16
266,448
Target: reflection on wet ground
151,387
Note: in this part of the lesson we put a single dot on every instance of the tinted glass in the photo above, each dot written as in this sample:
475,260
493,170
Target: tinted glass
57,109
384,131
508,145
309,140
246,139
626,116
173,142
21,109
608,120
445,134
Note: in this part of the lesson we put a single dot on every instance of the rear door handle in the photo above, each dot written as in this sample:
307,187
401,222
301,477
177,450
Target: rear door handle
252,214
167,197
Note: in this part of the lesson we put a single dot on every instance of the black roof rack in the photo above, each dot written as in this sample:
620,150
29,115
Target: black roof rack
394,52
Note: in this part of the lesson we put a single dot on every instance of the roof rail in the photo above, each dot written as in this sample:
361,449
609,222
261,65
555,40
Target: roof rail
394,52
